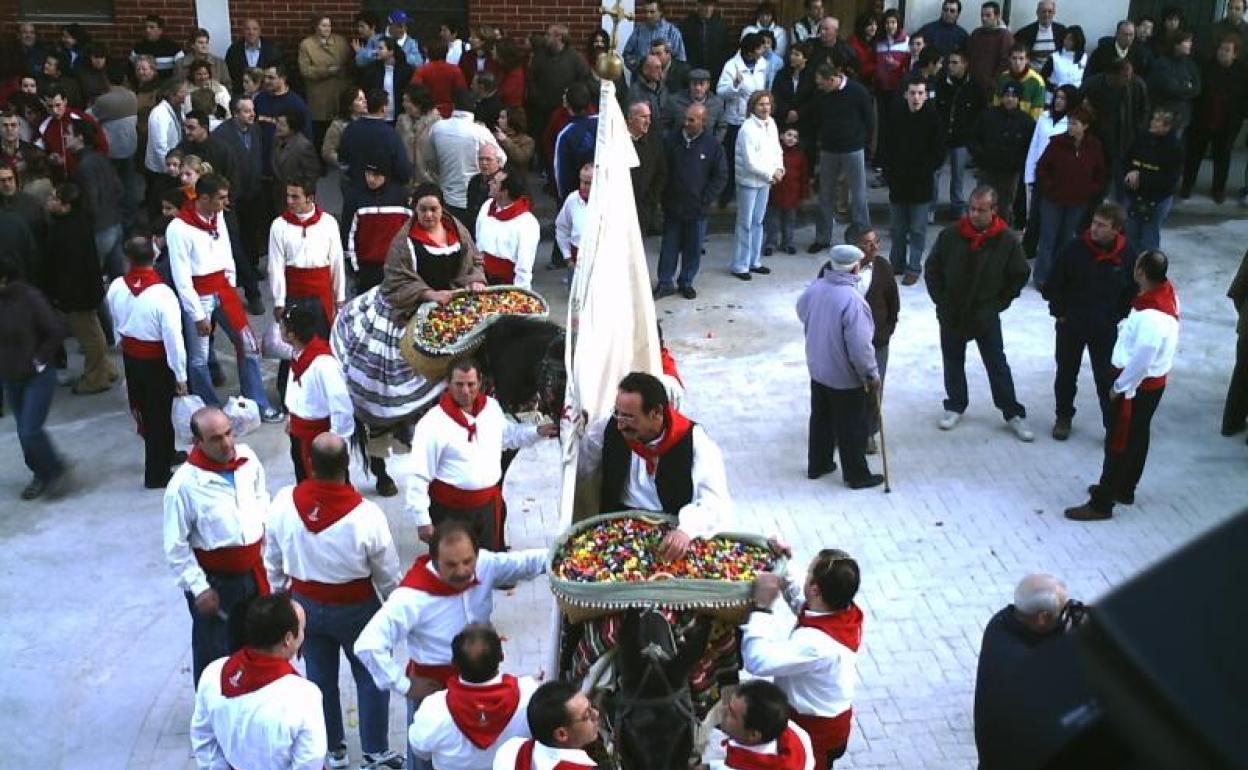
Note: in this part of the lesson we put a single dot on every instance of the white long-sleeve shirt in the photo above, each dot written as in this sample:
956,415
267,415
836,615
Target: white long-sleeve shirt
736,95
544,757
206,510
757,155
428,623
1046,129
194,252
1147,342
320,245
434,734
453,144
358,545
514,240
155,315
570,223
441,450
322,392
718,744
164,131
278,727
705,515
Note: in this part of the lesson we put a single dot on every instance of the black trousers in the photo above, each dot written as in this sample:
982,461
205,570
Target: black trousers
253,228
1198,141
483,520
730,151
1121,470
1235,413
368,276
838,420
1072,337
150,386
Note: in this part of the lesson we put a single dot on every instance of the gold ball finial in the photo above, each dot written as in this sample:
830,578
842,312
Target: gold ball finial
610,66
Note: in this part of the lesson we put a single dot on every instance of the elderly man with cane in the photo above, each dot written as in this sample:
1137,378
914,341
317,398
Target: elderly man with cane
843,370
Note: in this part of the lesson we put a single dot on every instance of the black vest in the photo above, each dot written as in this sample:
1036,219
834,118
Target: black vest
673,478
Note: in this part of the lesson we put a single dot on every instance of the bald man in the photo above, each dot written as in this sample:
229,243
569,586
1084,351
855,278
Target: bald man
697,171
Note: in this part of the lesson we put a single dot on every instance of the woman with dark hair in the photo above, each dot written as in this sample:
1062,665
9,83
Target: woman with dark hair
1066,66
92,71
866,29
413,126
480,54
512,135
352,106
510,64
794,91
599,43
441,77
1070,176
765,20
1173,21
892,62
74,40
1174,80
431,257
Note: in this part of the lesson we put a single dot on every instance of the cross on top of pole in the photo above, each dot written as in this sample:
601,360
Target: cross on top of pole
617,14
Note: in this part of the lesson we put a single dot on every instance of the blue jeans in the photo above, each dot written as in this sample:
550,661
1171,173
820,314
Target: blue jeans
987,338
778,227
751,208
1057,226
210,634
334,627
30,400
108,247
831,167
1147,235
251,381
957,187
412,762
682,242
908,231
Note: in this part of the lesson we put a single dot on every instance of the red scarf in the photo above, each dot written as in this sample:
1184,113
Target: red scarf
669,364
521,205
1160,297
314,349
420,578
977,237
482,713
322,504
190,215
584,195
201,460
790,755
1100,254
524,759
422,235
294,219
248,670
844,626
457,415
140,279
675,426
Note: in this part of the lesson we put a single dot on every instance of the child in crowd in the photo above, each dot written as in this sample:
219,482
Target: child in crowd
787,195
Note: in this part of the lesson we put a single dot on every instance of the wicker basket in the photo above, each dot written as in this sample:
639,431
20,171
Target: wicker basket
724,600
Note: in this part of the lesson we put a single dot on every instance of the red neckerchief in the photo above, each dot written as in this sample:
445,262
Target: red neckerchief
419,233
521,205
844,626
314,349
675,426
1100,254
524,759
790,755
669,364
977,238
420,578
482,713
190,215
584,195
322,504
457,415
294,219
140,279
1160,297
248,670
201,460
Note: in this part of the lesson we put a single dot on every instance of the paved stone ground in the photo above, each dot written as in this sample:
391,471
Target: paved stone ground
95,637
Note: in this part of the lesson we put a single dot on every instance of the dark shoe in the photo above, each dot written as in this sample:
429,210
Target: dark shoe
1086,512
874,480
1061,429
768,251
217,376
1219,197
742,276
1231,430
790,249
34,490
910,279
761,270
662,291
79,390
688,292
559,264
156,485
815,248
816,474
255,306
1185,192
386,486
178,458
1125,498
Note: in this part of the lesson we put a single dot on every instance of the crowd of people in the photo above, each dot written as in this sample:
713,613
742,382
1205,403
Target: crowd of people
140,195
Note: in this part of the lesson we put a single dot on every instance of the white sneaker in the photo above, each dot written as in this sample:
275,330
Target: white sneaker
872,446
950,420
338,759
1019,426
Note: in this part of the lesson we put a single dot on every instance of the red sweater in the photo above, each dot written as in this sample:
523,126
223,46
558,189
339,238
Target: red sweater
789,192
468,65
511,87
442,79
1070,177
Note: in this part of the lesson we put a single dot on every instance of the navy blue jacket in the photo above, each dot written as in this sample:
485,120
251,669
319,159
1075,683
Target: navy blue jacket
270,106
697,171
574,147
373,140
1083,291
846,118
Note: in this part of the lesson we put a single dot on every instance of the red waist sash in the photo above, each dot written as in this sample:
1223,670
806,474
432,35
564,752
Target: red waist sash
146,350
827,734
216,283
497,269
1126,406
315,282
356,591
471,499
236,560
304,431
438,673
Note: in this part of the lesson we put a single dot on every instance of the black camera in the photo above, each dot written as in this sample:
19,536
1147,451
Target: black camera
1072,615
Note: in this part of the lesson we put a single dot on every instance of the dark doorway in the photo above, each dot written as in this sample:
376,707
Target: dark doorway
1200,14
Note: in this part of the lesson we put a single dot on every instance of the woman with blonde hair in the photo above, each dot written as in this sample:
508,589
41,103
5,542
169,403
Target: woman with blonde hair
324,57
759,164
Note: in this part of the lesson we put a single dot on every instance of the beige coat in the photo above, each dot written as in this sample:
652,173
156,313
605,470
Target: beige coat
402,285
323,83
415,137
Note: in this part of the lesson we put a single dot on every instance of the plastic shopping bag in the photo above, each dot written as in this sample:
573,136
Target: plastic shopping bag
273,346
244,415
183,408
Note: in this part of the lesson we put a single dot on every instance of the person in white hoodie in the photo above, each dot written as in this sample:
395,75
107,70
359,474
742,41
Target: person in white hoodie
744,74
759,165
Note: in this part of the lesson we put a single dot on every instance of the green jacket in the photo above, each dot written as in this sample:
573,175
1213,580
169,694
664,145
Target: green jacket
1032,101
971,288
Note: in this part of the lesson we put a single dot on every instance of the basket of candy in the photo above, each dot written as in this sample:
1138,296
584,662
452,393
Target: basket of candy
608,564
438,334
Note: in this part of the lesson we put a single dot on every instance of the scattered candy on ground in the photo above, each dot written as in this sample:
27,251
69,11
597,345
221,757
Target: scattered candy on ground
623,550
447,324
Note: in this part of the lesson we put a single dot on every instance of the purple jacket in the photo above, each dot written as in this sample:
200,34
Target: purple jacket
839,329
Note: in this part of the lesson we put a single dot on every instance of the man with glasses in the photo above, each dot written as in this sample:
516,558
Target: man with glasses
945,34
562,722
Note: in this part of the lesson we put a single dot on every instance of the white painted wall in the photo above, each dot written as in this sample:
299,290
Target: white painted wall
1097,17
214,16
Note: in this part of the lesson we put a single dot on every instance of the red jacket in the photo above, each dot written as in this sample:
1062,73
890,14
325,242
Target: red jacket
442,79
468,65
789,192
52,137
1070,177
866,59
511,86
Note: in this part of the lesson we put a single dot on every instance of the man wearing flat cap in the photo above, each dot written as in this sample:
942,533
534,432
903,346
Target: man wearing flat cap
698,92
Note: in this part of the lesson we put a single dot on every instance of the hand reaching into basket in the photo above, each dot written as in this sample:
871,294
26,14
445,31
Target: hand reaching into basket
674,545
767,587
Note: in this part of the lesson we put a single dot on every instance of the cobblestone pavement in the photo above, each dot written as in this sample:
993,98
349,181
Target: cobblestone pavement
95,637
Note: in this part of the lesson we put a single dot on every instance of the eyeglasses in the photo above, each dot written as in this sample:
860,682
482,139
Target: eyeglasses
590,715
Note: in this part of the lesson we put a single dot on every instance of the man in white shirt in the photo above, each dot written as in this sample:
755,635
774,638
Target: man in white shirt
148,320
463,726
317,399
252,709
164,132
444,591
507,232
815,662
562,722
571,220
653,458
755,732
453,144
305,257
1148,339
214,512
332,550
456,459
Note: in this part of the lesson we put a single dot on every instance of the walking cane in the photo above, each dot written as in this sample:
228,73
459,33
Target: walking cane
879,413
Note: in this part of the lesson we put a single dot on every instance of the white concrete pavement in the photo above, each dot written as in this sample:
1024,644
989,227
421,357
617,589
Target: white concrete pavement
95,638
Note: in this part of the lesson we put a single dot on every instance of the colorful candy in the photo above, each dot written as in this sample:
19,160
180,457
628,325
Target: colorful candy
447,324
624,550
